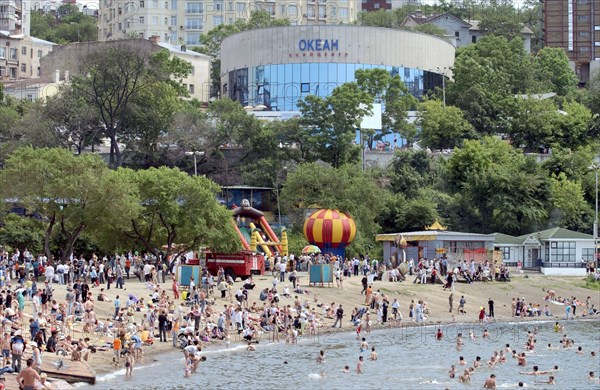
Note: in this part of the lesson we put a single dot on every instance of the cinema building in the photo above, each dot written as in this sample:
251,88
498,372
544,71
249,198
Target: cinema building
273,68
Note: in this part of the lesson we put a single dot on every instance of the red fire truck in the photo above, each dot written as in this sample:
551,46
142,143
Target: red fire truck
242,263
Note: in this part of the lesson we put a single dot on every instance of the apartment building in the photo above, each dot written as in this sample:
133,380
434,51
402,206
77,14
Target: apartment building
182,22
14,16
574,25
20,56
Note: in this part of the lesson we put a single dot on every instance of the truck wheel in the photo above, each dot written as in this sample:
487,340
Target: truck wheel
230,272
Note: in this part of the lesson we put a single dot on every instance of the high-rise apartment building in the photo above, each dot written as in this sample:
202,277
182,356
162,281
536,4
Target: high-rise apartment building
14,17
182,21
574,25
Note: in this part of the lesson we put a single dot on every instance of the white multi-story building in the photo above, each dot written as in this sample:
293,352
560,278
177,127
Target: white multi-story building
181,22
14,16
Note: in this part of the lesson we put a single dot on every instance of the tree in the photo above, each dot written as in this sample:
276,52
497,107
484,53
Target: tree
496,188
332,121
534,123
409,171
569,208
116,77
442,127
345,188
500,19
553,68
487,75
71,193
396,101
22,232
178,211
430,29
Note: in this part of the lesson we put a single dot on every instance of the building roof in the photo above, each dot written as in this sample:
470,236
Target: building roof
42,41
435,235
177,50
505,239
558,233
475,27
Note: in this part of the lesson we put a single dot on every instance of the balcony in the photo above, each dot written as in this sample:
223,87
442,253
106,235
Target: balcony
194,11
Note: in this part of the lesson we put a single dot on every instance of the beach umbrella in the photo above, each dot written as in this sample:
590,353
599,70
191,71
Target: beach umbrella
311,249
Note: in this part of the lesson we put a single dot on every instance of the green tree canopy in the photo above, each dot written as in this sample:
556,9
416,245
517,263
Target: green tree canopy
442,127
71,193
178,211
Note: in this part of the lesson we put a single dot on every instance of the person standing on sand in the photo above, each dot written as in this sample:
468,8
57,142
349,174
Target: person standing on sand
491,307
129,361
461,305
450,302
339,315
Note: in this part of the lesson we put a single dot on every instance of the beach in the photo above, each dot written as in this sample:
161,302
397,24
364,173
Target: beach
531,286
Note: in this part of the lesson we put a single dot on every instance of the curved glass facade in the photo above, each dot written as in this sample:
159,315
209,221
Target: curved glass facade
279,87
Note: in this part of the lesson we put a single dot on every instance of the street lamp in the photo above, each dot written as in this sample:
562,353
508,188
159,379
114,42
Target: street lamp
284,169
195,153
443,72
596,167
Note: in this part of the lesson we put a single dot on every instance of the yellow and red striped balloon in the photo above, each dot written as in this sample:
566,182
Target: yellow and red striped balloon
329,229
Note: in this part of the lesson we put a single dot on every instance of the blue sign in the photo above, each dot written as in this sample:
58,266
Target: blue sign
318,45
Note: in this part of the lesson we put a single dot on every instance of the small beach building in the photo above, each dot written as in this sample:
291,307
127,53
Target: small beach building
557,251
436,242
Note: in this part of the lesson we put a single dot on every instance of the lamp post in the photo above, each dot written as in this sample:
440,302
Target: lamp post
284,169
596,167
195,153
443,72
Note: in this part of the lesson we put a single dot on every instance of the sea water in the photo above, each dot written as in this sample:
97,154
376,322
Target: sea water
409,358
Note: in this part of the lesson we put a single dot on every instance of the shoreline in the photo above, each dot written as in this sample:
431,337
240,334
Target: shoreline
239,346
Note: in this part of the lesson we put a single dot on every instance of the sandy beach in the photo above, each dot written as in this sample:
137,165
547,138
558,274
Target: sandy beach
530,286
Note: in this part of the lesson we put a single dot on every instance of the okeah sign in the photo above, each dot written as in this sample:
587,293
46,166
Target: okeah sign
318,45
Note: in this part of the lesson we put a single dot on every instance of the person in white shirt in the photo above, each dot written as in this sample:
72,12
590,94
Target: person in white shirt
49,274
282,268
60,270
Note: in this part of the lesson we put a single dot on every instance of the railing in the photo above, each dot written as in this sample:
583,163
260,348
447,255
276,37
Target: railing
552,264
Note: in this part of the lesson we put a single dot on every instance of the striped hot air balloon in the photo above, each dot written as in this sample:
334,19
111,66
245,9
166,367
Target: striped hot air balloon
330,230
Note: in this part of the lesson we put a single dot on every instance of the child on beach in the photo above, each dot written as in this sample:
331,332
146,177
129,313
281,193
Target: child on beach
129,363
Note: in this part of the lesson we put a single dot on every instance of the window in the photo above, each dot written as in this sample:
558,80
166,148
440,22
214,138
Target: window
376,6
192,71
13,53
230,6
142,4
13,73
344,13
2,53
305,88
583,2
584,34
457,34
2,71
39,71
582,18
241,8
191,89
23,68
217,20
194,23
173,20
195,8
24,50
474,39
173,5
166,5
193,38
218,6
587,254
311,11
292,10
584,49
142,20
505,252
155,20
155,4
562,251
